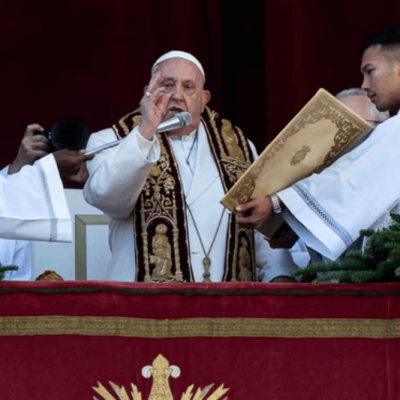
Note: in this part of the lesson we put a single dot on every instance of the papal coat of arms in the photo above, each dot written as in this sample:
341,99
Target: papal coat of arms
160,371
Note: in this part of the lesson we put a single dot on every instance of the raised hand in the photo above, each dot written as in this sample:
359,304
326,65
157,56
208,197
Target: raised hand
31,149
153,107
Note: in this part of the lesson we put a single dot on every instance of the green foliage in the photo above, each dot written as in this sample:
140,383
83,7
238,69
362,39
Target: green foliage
3,270
380,261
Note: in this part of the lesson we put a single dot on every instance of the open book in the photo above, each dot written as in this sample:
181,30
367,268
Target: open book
318,135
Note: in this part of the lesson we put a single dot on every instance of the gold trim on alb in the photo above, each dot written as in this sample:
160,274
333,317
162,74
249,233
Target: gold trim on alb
200,327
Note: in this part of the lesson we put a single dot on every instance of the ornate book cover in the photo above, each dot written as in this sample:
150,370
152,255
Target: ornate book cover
318,135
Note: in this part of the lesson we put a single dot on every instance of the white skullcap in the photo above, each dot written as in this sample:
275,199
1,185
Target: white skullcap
179,54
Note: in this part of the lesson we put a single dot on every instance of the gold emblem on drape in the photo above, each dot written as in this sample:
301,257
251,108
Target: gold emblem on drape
160,371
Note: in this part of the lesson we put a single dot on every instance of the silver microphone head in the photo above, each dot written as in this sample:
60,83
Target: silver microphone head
185,118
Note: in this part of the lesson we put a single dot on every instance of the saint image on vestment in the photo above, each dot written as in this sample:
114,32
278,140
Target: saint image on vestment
161,256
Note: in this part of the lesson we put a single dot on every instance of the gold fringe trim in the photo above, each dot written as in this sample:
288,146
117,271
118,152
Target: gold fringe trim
200,327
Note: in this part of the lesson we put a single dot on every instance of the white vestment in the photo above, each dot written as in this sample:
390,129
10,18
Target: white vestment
16,252
33,205
327,210
116,178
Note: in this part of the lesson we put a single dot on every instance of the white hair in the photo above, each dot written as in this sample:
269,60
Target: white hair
375,114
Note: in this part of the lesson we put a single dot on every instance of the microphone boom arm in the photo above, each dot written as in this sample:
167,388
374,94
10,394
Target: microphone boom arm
178,121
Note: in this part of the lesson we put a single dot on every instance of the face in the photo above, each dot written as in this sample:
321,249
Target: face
381,71
360,105
184,81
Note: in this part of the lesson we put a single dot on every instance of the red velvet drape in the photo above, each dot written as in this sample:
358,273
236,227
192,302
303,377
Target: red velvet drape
263,341
263,59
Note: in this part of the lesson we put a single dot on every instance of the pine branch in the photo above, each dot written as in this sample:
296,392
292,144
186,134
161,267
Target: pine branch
342,275
5,269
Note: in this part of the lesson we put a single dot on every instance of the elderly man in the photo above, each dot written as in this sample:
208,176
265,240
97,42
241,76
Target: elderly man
328,210
161,192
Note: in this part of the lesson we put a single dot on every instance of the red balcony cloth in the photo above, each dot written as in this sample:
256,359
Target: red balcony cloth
262,341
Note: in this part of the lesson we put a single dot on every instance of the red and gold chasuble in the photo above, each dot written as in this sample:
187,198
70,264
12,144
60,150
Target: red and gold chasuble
161,230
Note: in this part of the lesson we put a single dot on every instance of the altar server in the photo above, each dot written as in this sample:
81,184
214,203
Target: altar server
327,210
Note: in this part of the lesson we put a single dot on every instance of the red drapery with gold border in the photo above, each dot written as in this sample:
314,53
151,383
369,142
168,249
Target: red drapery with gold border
262,341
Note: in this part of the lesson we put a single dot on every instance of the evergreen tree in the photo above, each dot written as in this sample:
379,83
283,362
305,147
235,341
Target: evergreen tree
380,261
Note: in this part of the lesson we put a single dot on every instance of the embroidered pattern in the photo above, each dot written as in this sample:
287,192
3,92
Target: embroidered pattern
323,214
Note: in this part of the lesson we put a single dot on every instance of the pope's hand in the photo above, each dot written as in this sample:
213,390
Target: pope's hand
256,211
71,164
32,148
153,107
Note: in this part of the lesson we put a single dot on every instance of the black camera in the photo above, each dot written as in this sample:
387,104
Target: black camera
70,133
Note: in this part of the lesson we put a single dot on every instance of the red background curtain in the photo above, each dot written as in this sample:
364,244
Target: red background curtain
263,59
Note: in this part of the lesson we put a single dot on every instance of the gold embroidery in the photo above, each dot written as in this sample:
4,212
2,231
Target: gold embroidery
156,204
300,155
159,200
160,370
245,273
161,257
323,108
235,163
244,145
231,141
201,327
212,114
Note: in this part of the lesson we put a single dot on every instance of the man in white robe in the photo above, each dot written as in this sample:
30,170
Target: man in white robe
358,101
32,201
117,176
328,210
16,252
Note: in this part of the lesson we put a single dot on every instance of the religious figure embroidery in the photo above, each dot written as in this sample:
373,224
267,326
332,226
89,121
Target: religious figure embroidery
162,254
161,237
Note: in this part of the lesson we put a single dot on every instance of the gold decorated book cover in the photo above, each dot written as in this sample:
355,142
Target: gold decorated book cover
319,134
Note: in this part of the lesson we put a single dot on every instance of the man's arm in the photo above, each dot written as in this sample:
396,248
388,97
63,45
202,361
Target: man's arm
327,210
117,175
32,204
32,148
32,201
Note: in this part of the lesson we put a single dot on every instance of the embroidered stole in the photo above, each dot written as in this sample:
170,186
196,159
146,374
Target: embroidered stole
161,230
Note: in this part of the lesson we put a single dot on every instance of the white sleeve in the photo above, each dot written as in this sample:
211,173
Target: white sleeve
327,210
117,175
271,262
33,205
300,255
4,171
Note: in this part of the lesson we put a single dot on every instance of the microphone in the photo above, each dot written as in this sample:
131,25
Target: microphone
180,120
